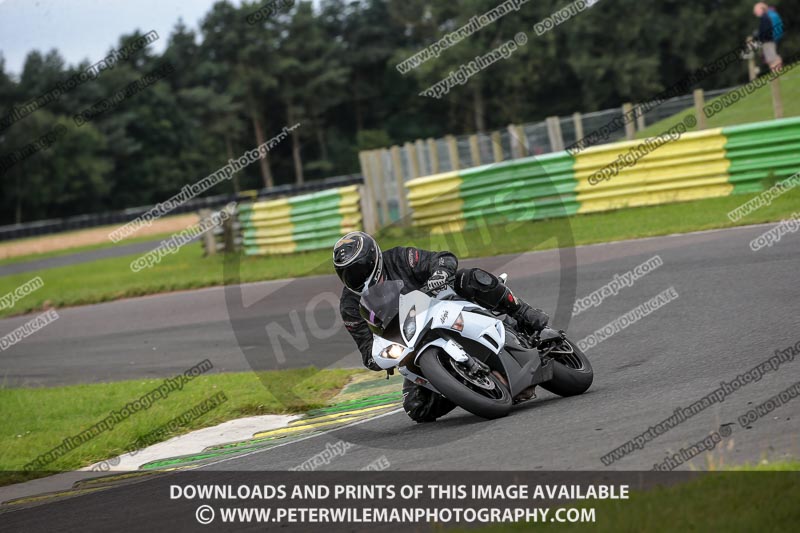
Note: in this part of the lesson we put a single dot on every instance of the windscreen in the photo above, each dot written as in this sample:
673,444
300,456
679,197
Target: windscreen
380,305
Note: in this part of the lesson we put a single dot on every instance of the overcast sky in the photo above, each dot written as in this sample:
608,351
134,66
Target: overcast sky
87,29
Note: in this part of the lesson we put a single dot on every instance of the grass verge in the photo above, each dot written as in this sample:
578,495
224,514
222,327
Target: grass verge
111,279
36,420
78,249
756,499
754,107
68,242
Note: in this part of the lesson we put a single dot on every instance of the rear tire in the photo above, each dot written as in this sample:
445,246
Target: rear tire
436,367
572,375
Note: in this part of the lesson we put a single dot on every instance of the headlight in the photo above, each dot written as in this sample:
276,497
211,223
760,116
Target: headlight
410,323
393,351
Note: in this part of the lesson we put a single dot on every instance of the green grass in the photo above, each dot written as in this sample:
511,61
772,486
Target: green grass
756,499
35,420
111,279
755,107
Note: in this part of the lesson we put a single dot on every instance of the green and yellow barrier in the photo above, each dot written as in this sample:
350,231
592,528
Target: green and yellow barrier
522,189
299,223
694,165
758,150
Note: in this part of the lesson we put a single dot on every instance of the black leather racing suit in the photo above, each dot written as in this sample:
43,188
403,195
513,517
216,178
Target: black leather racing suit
413,267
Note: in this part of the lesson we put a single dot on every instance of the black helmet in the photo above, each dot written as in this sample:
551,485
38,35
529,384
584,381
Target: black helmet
358,261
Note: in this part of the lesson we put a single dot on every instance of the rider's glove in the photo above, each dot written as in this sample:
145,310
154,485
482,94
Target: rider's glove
437,281
371,364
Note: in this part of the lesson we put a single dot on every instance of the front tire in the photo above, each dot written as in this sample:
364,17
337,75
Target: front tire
572,372
439,368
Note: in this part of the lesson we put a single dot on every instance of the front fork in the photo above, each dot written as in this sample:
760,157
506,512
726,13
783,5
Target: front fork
457,353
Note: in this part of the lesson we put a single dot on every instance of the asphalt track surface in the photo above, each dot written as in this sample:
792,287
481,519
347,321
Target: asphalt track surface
733,303
735,308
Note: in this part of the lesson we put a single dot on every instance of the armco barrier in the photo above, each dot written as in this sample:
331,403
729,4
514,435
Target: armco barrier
691,167
756,150
704,164
298,223
521,189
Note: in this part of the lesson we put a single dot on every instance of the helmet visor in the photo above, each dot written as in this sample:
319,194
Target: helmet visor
361,275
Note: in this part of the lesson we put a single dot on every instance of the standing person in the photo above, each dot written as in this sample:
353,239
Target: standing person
769,33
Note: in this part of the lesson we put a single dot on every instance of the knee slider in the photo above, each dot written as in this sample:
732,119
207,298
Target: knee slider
479,286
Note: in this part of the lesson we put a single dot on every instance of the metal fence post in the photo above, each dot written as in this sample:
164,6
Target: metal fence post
577,121
630,127
209,239
554,134
640,125
413,159
517,135
699,103
424,165
452,149
229,234
402,200
497,146
381,187
369,206
474,151
433,152
369,218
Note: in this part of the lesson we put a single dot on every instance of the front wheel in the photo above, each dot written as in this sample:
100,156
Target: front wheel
482,395
572,371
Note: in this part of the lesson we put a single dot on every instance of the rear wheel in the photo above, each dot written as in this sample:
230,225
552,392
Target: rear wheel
572,371
483,395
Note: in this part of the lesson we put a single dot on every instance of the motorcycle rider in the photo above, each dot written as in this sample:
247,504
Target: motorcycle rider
359,263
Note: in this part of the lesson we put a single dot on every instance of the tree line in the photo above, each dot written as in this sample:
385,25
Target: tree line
332,68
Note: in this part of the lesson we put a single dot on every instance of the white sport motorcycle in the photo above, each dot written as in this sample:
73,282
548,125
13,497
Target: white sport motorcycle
468,354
